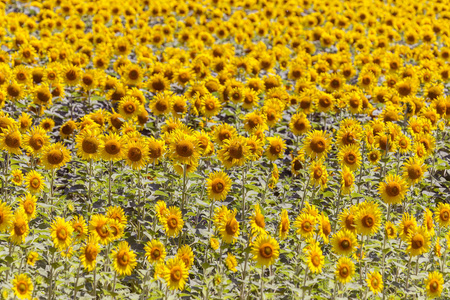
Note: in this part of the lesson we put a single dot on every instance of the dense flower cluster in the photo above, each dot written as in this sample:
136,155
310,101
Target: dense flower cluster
224,149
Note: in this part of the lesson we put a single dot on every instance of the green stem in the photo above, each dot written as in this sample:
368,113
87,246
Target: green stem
409,272
183,198
76,282
109,182
262,282
304,283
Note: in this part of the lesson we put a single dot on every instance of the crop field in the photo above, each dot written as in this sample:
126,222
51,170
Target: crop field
224,149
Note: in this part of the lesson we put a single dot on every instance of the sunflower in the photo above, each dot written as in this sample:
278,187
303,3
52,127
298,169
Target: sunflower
35,140
319,174
178,106
265,250
403,143
255,120
34,182
442,214
374,156
231,262
161,211
25,121
234,152
344,242
407,225
375,282
117,213
71,75
22,286
14,90
17,177
88,143
418,241
67,129
434,284
184,148
112,148
347,218
32,258
11,140
218,185
317,144
98,227
393,190
324,227
116,229
186,255
155,251
176,274
305,224
61,233
79,226
315,259
413,170
368,219
136,154
299,124
228,226
345,269
428,222
390,230
129,107
124,259
276,148
347,180
89,252
210,106
350,156
223,132
284,226
6,217
158,83
257,222
28,204
19,228
173,222
55,156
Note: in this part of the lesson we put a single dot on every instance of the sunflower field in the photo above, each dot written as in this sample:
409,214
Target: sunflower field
224,149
